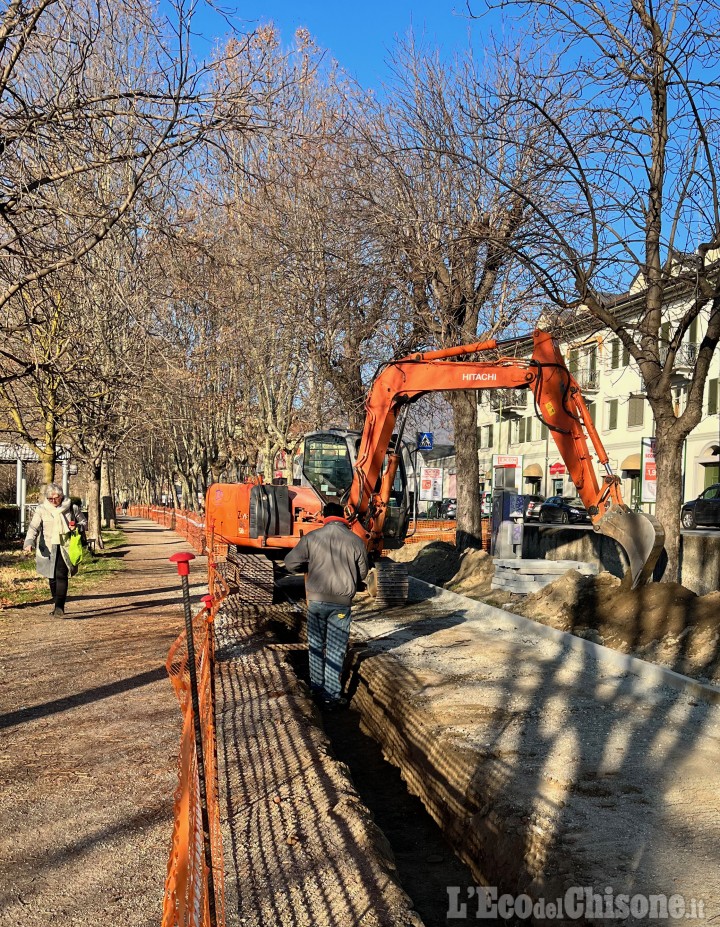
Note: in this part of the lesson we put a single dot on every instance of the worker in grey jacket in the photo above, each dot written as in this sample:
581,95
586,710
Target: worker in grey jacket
49,529
336,562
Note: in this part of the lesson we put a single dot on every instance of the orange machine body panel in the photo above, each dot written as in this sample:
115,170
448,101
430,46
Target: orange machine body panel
227,517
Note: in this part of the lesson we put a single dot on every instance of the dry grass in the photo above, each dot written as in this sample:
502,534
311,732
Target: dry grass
19,583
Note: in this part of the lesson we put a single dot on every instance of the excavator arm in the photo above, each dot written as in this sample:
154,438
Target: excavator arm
558,403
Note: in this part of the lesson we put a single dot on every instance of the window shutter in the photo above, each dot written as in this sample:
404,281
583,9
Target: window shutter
713,396
573,362
636,411
615,354
612,414
692,331
625,356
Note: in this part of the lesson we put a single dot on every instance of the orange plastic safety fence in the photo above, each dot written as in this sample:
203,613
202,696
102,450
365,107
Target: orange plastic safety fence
187,893
186,901
432,529
436,530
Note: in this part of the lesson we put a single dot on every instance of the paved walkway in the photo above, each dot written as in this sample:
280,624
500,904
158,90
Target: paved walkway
90,730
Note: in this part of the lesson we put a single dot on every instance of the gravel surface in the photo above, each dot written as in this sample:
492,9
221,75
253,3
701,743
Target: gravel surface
663,623
550,763
90,732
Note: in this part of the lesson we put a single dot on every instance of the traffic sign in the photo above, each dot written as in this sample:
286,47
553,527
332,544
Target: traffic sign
425,440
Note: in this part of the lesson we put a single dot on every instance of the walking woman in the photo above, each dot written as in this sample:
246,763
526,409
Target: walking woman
50,527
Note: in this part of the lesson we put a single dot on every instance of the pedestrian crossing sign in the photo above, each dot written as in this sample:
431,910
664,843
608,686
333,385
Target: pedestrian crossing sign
425,441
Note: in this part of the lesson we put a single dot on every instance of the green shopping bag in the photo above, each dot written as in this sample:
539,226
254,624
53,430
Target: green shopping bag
75,548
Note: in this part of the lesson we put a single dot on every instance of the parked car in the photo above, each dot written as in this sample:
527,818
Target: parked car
703,511
563,510
531,506
448,508
486,503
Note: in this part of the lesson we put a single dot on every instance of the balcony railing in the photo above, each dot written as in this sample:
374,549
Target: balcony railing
508,400
589,380
685,357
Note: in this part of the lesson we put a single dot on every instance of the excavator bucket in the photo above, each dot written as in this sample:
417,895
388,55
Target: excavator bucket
641,536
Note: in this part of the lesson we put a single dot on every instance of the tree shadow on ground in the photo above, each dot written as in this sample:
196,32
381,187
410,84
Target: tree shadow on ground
547,766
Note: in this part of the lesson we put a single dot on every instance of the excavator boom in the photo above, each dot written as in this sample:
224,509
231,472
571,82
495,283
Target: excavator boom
558,403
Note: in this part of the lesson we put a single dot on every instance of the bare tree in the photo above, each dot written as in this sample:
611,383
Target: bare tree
447,226
92,93
632,238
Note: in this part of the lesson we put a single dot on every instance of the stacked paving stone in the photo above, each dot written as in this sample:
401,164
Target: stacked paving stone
527,576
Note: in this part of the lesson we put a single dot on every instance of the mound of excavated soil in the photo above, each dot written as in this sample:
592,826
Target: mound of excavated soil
663,622
468,572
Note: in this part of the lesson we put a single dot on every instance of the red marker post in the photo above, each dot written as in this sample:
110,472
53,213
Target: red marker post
182,561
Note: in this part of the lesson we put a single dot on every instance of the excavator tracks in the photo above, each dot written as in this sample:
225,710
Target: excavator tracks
250,576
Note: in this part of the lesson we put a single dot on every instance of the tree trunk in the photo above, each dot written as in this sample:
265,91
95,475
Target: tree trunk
464,405
93,530
668,459
268,461
49,456
107,503
112,493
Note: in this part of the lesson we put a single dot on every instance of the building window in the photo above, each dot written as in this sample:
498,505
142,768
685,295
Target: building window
486,436
611,413
525,429
713,396
592,411
582,364
544,431
619,354
636,411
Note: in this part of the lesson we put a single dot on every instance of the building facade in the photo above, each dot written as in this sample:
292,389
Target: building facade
613,390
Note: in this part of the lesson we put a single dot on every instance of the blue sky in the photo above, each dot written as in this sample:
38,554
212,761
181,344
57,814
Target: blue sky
358,34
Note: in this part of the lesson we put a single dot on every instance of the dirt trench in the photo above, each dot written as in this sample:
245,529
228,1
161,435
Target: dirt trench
401,829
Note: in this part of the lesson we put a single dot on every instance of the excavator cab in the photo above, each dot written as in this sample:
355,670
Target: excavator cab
325,461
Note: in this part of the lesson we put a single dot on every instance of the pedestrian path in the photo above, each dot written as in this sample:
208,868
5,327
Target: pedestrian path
90,730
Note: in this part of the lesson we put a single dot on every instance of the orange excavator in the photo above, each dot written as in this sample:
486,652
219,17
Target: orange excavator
367,473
